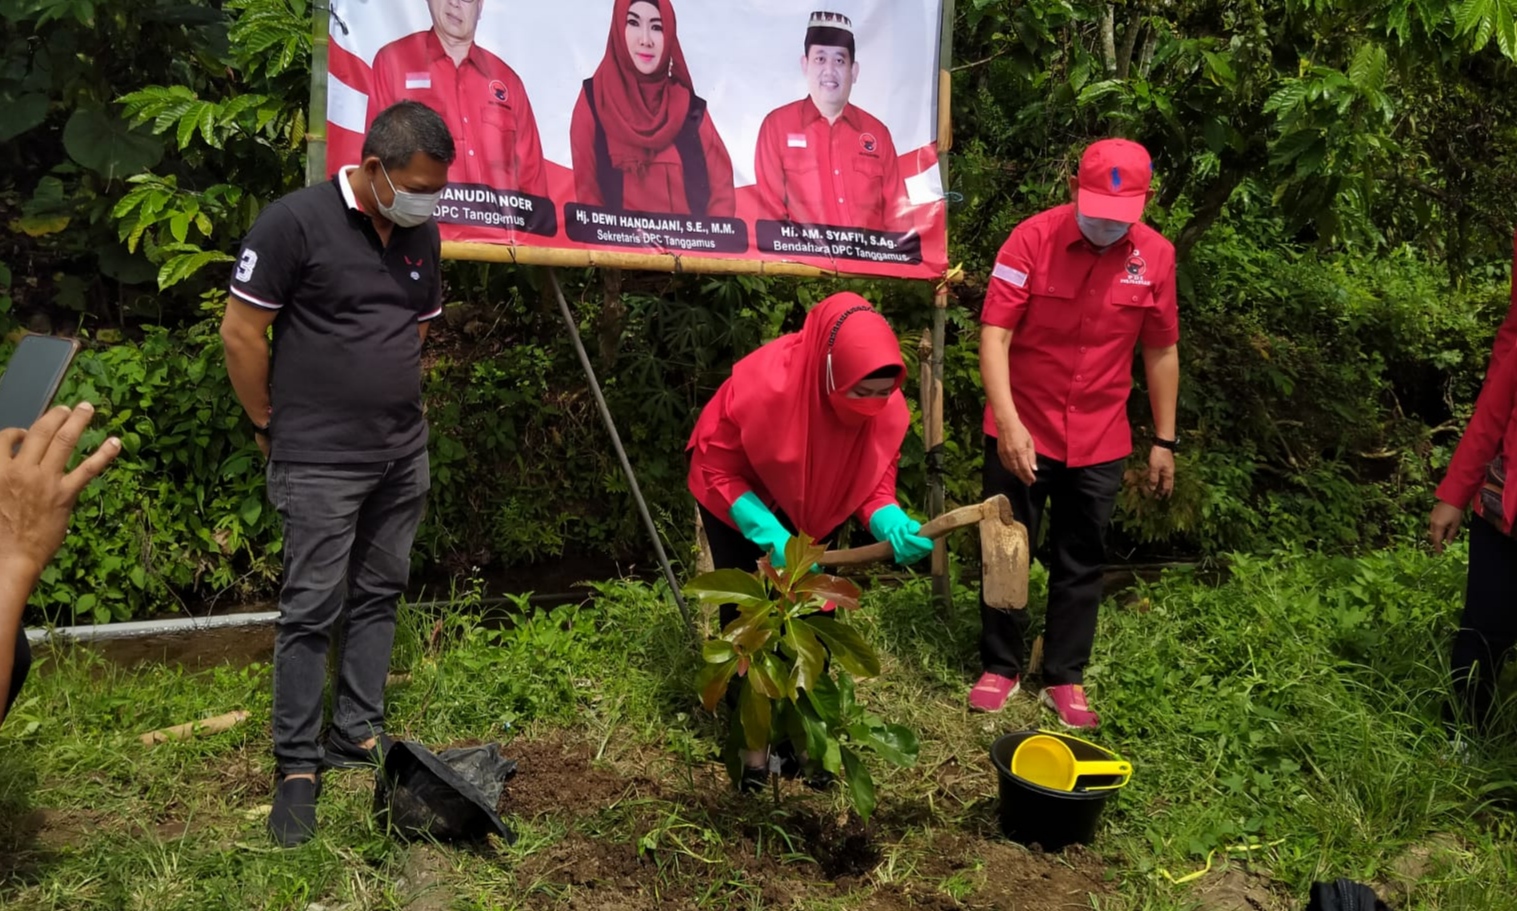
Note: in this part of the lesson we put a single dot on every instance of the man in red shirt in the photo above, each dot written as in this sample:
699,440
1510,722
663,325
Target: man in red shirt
1074,290
479,97
822,160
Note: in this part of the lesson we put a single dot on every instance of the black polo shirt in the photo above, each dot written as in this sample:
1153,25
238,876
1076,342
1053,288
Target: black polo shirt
346,373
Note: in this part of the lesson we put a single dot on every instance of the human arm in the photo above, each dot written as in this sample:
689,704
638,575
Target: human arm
888,522
1162,367
1480,444
582,154
718,172
1006,299
769,172
531,174
895,204
244,335
37,496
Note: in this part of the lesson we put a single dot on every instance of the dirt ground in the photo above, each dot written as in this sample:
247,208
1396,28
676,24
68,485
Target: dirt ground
665,849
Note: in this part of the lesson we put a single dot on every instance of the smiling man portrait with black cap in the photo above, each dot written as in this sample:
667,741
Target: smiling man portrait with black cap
823,160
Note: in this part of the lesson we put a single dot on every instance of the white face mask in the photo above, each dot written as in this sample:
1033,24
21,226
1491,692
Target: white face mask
1102,232
409,209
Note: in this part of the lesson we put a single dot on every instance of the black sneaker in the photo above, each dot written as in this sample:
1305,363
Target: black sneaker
753,780
341,753
292,821
792,768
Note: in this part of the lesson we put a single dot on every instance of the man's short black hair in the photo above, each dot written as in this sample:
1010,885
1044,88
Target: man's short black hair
405,128
830,37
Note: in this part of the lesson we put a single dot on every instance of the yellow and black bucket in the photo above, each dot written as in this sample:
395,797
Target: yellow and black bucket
1054,786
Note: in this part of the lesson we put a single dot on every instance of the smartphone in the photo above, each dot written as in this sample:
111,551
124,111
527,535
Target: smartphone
32,378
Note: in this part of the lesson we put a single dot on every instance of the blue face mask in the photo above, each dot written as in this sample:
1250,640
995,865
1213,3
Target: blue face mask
1101,232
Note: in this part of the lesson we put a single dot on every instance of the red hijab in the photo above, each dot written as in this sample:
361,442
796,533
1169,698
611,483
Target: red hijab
641,114
818,453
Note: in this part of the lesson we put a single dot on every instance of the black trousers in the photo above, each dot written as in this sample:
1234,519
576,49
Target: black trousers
20,668
1082,500
1488,628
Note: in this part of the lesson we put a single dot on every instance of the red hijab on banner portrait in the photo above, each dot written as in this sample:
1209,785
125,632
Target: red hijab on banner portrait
640,113
817,454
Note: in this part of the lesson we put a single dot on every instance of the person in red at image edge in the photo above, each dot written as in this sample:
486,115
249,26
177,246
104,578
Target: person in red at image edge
1074,290
805,433
480,98
1478,476
641,139
821,160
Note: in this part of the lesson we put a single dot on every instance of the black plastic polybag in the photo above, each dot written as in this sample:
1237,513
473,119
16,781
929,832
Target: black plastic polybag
449,796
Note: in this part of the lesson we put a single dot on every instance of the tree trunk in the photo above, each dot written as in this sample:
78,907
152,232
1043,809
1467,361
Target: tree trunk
1109,38
1129,42
1209,208
613,315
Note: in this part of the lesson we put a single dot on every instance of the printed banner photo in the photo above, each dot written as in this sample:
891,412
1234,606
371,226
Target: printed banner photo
783,130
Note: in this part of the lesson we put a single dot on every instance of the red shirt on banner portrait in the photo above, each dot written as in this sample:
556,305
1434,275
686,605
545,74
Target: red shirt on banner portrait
1075,316
814,172
482,101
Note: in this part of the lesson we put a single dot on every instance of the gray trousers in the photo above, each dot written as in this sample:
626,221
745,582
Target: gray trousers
348,531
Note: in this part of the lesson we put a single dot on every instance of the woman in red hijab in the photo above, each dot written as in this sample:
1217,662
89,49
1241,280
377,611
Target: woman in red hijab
1477,477
805,433
641,138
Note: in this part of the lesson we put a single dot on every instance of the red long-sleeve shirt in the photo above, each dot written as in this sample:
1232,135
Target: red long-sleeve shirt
661,187
814,172
720,474
1076,316
1492,432
482,101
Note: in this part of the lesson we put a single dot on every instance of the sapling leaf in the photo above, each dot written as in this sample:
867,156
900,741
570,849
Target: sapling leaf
810,656
895,744
826,701
716,651
728,586
815,732
848,648
840,591
713,681
762,678
860,785
755,710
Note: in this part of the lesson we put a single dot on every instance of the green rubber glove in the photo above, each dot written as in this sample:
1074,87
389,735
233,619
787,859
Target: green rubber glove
890,523
759,525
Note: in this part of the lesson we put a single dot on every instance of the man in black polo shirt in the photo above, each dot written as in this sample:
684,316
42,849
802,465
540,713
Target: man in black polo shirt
347,274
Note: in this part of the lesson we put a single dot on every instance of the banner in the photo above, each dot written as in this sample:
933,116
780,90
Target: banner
784,130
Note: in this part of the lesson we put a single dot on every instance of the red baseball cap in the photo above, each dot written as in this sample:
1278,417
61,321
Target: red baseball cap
1115,175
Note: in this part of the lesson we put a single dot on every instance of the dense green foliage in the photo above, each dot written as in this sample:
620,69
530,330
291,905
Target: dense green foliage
1345,262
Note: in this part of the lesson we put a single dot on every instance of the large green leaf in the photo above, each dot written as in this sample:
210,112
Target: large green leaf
756,714
826,701
717,651
105,144
895,744
766,676
848,648
809,656
727,586
860,785
17,115
712,682
814,732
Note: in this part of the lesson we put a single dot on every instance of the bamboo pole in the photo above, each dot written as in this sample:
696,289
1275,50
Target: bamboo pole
316,119
564,258
189,729
932,400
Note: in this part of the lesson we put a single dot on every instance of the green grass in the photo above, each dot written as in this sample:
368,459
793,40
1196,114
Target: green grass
1283,723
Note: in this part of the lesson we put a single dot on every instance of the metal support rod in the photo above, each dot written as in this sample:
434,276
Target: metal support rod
621,453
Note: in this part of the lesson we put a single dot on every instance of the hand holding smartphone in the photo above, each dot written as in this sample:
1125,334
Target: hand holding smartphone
32,378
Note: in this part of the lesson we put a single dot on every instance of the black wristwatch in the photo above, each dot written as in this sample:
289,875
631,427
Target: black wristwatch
260,429
1171,445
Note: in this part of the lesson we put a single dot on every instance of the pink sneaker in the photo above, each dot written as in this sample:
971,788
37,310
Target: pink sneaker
1068,702
991,693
